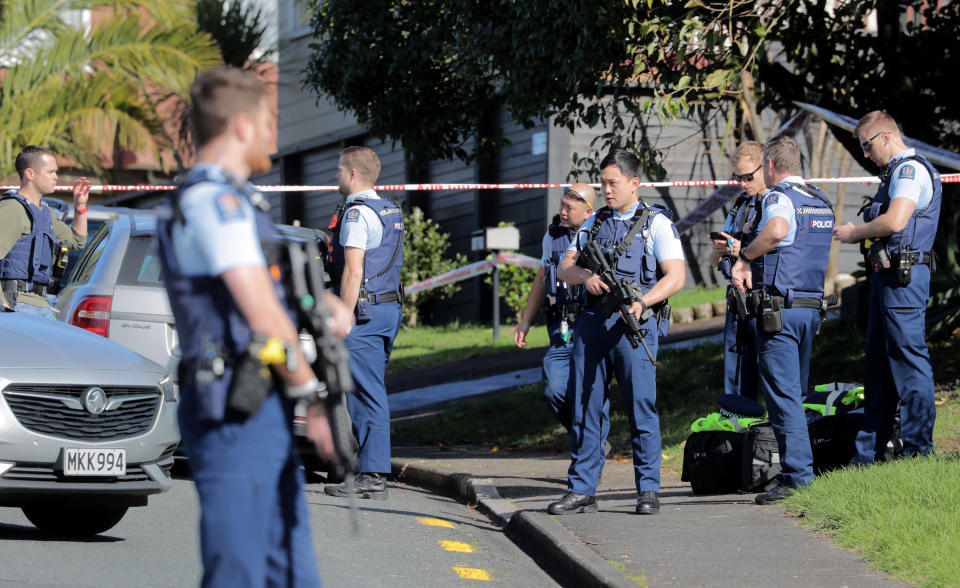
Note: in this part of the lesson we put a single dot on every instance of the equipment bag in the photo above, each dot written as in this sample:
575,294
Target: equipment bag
834,418
760,460
711,461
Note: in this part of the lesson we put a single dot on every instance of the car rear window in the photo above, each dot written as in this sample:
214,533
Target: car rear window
141,266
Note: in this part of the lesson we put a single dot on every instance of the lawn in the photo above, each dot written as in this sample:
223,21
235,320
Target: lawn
426,346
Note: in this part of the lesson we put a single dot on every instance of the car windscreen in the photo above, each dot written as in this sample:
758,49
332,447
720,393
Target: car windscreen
141,266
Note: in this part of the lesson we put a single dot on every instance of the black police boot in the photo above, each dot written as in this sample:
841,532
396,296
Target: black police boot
571,503
365,485
775,494
648,504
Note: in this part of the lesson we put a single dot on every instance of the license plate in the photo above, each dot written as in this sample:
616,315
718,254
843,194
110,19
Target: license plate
94,462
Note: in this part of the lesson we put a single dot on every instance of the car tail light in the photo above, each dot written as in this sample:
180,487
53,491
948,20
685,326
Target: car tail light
93,314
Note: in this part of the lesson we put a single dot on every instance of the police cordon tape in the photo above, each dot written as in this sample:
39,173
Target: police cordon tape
473,269
946,178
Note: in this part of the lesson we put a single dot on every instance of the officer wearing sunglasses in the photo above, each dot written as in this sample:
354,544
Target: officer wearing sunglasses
739,351
900,224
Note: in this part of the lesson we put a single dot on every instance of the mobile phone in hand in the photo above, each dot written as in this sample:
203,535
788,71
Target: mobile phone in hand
717,236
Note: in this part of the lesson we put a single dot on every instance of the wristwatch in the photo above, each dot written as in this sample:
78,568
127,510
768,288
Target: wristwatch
744,257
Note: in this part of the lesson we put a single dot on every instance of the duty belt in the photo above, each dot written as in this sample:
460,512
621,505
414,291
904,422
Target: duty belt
916,258
25,286
820,304
386,297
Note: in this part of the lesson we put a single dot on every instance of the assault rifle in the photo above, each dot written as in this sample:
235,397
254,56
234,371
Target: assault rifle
331,362
621,296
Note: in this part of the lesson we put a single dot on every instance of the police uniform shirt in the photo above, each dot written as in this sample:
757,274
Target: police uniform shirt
361,226
776,204
546,248
219,232
15,223
910,179
664,242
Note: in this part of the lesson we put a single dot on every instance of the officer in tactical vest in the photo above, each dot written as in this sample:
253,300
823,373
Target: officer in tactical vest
562,302
784,267
642,255
739,350
236,404
34,243
367,256
900,226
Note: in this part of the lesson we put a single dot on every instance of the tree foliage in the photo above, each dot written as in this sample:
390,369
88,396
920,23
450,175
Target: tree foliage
237,28
69,87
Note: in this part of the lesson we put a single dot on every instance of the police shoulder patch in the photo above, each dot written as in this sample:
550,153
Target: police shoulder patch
228,207
907,171
352,216
771,199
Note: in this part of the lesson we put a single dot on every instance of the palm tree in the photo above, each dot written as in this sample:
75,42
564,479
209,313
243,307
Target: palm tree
77,89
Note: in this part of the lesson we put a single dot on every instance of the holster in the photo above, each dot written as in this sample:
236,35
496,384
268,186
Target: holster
251,384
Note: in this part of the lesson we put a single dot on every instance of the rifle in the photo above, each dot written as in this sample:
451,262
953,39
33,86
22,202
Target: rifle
331,362
622,294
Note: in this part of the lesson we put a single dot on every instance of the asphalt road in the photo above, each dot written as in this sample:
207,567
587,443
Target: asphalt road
415,539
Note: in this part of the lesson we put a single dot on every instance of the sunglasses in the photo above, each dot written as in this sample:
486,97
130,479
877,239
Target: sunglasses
574,194
866,144
746,177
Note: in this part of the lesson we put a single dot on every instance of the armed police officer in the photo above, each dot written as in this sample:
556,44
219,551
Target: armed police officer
785,265
563,302
367,256
739,350
638,252
33,242
900,224
229,304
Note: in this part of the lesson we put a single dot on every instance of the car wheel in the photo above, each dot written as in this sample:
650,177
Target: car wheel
74,520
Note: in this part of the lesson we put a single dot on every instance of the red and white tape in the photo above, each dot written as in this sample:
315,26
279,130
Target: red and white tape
946,178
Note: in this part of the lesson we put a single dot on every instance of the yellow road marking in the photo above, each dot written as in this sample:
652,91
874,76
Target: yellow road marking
436,522
456,546
472,573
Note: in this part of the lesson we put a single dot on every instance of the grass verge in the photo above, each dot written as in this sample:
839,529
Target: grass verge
903,516
699,295
427,346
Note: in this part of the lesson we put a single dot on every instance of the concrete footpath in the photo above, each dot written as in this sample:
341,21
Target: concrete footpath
721,540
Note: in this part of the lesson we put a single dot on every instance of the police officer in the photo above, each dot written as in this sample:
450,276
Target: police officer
235,423
786,262
739,351
901,221
31,238
651,256
367,256
563,302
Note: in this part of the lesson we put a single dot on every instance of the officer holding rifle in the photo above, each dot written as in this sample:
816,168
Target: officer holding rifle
634,262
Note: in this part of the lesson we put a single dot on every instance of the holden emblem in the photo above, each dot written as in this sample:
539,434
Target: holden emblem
94,400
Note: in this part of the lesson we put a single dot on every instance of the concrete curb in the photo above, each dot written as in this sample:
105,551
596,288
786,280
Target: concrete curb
537,531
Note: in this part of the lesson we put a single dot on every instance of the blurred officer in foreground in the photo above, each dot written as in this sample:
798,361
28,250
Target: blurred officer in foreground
367,256
739,349
33,242
786,262
563,302
901,223
235,415
644,261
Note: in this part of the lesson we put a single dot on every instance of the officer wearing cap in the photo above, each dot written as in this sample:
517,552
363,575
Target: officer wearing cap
901,222
31,238
739,350
786,261
643,247
563,302
236,423
367,256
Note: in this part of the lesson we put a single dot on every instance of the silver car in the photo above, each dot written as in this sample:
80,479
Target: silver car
87,427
